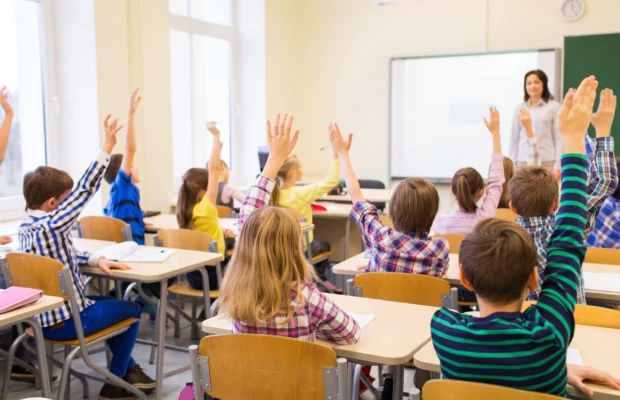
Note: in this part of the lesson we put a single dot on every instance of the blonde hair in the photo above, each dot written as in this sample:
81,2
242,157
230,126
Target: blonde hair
292,162
267,266
195,181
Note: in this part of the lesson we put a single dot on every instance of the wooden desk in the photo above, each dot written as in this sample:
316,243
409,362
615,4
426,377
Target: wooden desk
374,195
390,339
599,348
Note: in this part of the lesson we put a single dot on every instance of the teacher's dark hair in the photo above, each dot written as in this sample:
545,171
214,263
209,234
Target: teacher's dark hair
546,95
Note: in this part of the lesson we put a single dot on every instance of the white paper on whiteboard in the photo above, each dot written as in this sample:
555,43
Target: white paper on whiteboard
602,282
573,356
362,319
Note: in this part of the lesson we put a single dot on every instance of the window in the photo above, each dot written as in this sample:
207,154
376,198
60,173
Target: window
201,65
21,71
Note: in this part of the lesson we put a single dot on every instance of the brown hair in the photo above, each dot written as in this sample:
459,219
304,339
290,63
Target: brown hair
497,258
266,269
292,162
546,94
465,185
43,184
509,170
617,192
195,181
115,165
413,206
533,190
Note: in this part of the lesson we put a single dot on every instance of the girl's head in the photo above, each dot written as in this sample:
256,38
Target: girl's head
192,191
267,266
290,171
468,187
535,84
509,171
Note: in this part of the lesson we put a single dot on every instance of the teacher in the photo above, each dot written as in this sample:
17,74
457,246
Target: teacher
536,120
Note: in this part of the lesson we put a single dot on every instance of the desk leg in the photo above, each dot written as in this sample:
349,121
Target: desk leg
161,338
399,378
46,389
347,235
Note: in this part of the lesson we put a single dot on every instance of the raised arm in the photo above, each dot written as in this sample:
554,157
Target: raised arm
130,143
557,139
514,136
525,118
214,163
496,175
341,148
5,129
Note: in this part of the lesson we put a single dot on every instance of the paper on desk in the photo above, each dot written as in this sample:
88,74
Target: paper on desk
148,254
367,254
603,282
362,319
573,356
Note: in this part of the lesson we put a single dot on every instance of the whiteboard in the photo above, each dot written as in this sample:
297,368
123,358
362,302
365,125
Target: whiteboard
438,104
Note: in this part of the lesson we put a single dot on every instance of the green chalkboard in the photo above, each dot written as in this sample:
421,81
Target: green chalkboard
597,55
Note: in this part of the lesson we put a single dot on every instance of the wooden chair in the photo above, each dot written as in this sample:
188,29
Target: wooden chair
454,240
598,255
104,228
591,315
256,367
224,212
505,213
48,275
446,389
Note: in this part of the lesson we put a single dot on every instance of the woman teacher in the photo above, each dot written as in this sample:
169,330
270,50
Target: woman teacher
536,120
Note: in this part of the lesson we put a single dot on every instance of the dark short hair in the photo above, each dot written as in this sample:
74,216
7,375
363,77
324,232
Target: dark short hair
546,94
617,192
43,184
497,258
413,206
533,190
116,160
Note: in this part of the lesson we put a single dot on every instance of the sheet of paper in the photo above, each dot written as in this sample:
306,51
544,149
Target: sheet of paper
602,282
367,254
148,254
362,319
229,223
573,356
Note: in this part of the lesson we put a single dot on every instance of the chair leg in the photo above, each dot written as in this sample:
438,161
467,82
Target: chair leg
157,318
194,333
114,380
355,393
73,372
9,365
177,317
64,376
108,356
131,287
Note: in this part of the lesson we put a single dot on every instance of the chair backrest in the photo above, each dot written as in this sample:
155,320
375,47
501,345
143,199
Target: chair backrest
454,240
223,211
591,315
446,389
405,288
602,256
505,213
265,367
185,239
103,228
36,272
373,184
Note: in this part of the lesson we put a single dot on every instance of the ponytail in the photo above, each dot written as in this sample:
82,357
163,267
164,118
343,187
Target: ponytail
275,194
465,185
195,180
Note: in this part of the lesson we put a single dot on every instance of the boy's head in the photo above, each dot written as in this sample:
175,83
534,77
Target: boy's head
617,192
533,192
413,206
45,188
116,161
498,261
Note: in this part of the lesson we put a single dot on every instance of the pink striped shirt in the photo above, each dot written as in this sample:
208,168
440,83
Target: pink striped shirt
458,221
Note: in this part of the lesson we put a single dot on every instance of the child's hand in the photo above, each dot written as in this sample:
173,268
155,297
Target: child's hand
339,145
111,129
211,127
107,265
279,140
576,111
493,124
526,121
4,101
578,374
604,116
134,101
5,239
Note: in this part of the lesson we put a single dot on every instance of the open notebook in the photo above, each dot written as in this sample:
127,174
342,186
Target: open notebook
131,252
16,297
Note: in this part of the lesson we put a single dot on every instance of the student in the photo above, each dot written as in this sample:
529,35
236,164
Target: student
286,194
504,346
509,170
196,206
5,131
268,286
534,192
468,187
227,193
606,231
53,207
124,203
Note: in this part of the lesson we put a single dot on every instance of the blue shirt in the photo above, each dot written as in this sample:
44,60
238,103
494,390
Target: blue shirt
124,204
606,231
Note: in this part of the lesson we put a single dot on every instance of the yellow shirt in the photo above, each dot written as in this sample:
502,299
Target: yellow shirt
205,219
300,198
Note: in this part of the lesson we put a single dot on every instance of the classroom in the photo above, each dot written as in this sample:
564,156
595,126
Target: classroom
309,199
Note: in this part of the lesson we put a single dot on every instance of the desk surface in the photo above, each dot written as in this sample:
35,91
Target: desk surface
169,221
389,339
334,210
599,348
180,262
375,195
351,265
44,304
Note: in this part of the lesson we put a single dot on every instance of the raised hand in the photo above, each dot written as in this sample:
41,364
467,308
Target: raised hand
134,100
279,139
212,127
338,143
526,120
4,101
111,129
107,265
604,116
576,111
493,123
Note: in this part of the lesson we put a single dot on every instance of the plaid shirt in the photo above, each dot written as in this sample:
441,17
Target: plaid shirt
394,251
602,182
49,235
314,314
606,231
